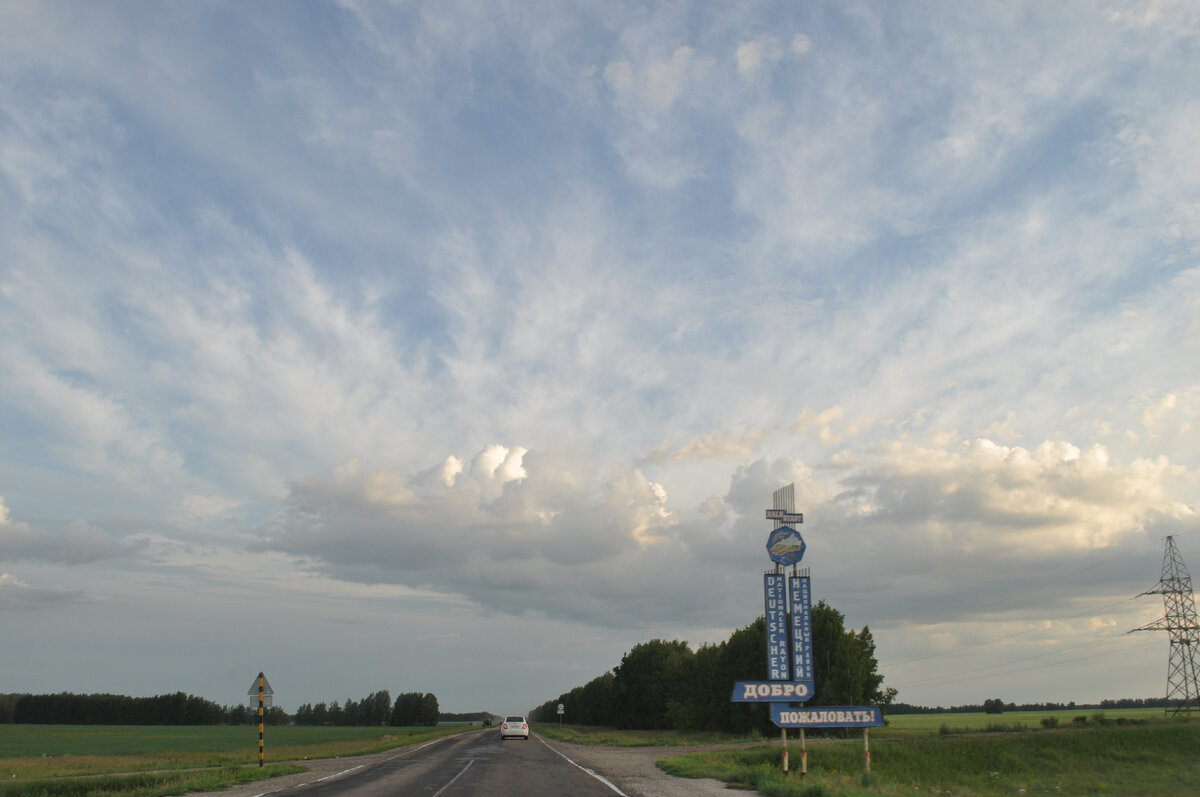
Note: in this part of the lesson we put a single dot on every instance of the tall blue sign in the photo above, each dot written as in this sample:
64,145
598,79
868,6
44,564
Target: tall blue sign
775,594
801,605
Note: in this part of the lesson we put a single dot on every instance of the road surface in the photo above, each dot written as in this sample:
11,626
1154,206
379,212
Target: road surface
465,765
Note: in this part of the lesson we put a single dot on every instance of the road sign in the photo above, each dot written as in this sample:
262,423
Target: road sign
785,716
775,598
266,690
266,687
562,709
784,516
785,546
801,605
771,691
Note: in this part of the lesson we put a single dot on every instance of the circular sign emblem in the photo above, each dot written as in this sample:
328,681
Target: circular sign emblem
785,546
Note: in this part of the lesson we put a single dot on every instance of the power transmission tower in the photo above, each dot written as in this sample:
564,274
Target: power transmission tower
1183,675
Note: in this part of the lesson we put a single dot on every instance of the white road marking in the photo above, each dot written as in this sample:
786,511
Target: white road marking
339,774
456,777
595,775
403,752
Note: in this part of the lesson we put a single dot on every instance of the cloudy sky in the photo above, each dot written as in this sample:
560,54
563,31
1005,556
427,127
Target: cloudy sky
459,346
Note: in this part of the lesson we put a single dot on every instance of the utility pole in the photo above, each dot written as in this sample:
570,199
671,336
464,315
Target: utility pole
1179,619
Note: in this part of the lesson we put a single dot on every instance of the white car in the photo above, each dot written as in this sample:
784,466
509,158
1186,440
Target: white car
514,726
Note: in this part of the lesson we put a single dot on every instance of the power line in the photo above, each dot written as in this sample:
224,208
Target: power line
966,675
944,653
1179,618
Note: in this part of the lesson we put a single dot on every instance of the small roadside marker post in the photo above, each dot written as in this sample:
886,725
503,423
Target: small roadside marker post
265,697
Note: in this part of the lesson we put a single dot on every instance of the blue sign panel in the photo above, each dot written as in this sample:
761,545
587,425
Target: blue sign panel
826,716
785,546
801,604
771,691
775,595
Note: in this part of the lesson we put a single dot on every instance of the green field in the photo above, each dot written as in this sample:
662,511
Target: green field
49,759
933,723
1119,752
1126,753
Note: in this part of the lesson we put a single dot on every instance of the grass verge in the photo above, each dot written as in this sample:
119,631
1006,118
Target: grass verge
1131,761
145,784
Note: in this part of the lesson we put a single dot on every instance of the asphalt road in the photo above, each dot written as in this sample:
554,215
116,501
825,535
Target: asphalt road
463,766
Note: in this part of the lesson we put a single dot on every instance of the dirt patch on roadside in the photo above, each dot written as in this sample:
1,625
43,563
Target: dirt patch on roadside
634,772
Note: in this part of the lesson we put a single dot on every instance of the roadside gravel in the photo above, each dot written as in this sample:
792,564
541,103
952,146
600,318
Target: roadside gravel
633,771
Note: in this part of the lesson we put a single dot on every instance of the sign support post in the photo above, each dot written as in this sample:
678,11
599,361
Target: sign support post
261,678
265,698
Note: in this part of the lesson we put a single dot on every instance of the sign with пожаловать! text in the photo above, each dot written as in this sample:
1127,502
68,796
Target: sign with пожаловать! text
826,716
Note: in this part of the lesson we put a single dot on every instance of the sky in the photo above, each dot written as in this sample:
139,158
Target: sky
458,347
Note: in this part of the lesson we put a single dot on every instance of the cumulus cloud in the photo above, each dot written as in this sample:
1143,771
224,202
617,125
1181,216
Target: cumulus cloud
16,594
76,543
543,531
986,498
723,444
517,531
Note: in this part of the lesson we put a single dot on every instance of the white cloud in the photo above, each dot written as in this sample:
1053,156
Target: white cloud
16,594
750,57
1154,415
78,542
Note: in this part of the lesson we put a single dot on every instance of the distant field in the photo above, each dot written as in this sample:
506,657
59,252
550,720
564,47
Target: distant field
42,751
932,723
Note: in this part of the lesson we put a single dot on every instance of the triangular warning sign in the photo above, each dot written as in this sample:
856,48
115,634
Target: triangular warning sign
267,690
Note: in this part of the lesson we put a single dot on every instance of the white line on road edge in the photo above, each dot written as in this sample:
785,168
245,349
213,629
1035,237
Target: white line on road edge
456,777
404,751
595,775
339,774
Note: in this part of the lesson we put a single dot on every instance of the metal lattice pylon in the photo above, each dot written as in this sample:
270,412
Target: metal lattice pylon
1183,675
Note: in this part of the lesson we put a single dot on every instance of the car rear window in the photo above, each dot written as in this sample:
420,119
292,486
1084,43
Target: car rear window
514,719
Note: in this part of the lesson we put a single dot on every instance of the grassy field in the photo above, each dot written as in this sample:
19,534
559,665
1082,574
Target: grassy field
934,723
1130,753
61,759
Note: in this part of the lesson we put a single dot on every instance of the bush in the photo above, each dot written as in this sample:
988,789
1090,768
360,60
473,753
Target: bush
1049,722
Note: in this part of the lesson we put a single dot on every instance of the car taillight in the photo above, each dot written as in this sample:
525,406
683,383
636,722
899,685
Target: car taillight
506,726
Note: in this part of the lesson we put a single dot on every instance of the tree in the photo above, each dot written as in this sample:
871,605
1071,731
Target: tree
993,705
429,712
414,708
662,684
649,678
845,668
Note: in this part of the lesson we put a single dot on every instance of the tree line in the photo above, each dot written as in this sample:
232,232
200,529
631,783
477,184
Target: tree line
668,686
410,709
995,705
178,708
